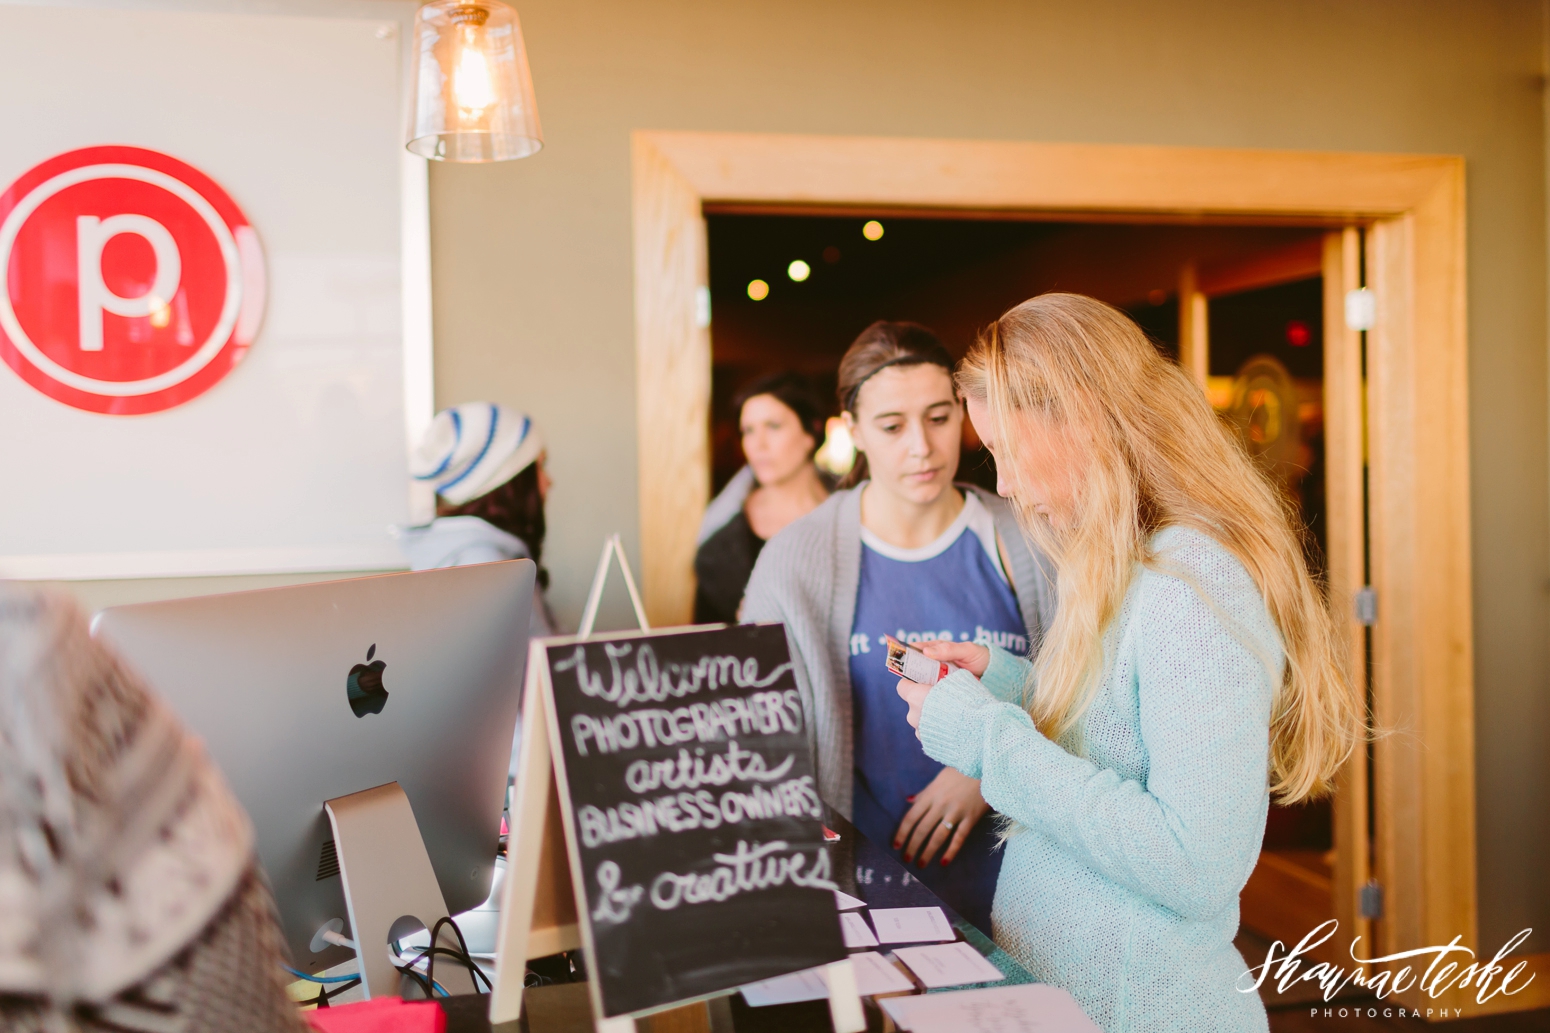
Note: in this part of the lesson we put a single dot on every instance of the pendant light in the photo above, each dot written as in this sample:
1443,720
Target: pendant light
473,93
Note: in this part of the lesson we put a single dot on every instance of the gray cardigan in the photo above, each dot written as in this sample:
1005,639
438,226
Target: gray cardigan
807,578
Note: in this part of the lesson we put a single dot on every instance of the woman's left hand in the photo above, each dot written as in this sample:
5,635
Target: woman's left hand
914,694
940,815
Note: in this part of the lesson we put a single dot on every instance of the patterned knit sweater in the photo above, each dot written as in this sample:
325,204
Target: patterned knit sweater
1121,879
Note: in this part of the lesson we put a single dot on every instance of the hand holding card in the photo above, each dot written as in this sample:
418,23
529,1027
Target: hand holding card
909,662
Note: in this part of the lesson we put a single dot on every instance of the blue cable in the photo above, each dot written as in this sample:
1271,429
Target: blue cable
347,979
319,979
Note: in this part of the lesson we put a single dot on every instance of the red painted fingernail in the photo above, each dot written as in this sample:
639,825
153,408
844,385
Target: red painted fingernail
909,799
922,862
944,862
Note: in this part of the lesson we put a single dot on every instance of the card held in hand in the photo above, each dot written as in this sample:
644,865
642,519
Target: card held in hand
909,662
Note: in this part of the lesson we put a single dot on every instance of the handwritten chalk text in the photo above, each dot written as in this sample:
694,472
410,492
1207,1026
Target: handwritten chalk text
763,713
759,867
646,681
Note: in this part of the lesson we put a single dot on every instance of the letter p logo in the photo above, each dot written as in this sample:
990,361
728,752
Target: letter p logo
95,297
125,326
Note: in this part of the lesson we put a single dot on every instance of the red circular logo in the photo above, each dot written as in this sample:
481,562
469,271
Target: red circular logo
133,282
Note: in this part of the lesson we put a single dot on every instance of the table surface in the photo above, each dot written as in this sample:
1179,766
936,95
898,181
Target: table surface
862,869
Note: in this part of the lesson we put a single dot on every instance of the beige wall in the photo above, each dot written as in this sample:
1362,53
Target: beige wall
532,258
533,263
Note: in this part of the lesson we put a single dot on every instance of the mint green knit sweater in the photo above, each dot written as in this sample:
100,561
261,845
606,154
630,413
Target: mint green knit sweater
1121,881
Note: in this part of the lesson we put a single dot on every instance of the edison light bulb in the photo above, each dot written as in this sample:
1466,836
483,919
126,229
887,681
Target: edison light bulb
472,85
473,97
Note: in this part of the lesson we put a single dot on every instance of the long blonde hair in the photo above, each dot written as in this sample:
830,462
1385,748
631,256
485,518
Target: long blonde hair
1153,455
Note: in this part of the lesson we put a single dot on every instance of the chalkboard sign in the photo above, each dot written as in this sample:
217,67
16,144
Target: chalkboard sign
690,809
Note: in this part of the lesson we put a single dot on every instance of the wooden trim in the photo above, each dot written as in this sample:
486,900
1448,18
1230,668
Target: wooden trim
672,378
1417,393
991,174
1086,218
1423,657
1194,326
1346,533
1301,260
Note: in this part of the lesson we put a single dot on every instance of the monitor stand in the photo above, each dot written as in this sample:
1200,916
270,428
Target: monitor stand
387,875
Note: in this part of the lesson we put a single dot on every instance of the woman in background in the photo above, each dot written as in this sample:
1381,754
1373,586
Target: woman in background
781,428
1191,656
486,463
907,553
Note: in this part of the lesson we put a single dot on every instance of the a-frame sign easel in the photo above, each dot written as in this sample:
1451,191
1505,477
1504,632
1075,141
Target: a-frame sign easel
542,912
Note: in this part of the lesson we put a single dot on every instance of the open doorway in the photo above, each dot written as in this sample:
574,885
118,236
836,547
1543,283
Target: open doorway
790,292
1396,419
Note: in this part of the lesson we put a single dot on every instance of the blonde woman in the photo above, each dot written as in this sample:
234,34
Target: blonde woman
1191,656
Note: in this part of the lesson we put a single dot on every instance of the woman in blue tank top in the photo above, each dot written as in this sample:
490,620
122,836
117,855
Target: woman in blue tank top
907,553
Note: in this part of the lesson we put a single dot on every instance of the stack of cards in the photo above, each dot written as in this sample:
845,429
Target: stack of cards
912,925
874,975
1028,1008
948,964
939,959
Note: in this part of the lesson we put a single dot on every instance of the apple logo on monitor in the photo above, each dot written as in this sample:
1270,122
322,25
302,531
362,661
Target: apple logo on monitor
364,688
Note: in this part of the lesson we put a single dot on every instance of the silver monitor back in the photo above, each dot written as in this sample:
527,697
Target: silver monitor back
278,684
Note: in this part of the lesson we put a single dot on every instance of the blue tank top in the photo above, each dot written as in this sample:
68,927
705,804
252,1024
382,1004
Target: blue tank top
950,589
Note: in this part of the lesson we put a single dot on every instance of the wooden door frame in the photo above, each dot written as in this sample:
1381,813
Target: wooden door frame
1416,395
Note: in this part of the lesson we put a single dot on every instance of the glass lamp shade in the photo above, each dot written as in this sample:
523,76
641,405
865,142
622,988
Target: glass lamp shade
473,93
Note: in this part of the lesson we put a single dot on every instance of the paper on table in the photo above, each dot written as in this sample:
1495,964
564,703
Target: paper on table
855,930
1027,1008
807,985
874,975
911,924
846,902
949,964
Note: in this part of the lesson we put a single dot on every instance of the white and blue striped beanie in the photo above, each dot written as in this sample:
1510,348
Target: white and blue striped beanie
474,448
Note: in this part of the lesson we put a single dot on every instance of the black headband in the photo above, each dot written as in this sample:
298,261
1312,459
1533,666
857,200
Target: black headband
944,360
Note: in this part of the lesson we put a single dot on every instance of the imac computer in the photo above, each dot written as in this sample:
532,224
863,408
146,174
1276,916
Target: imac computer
343,693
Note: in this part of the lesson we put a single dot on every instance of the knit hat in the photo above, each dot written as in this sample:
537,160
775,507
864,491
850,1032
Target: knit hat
474,448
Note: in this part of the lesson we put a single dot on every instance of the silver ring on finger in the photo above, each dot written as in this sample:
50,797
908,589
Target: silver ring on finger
949,824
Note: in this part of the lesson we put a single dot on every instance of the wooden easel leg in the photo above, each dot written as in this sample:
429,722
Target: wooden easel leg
845,1009
719,1011
528,813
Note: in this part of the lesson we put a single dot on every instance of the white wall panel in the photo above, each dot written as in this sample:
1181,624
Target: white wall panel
296,460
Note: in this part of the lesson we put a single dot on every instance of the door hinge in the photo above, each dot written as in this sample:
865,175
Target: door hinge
1371,902
1361,309
1367,605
